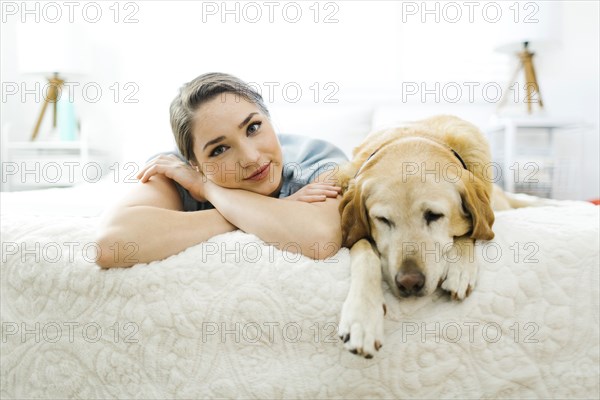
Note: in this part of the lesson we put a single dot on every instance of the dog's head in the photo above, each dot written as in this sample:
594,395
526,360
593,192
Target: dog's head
412,200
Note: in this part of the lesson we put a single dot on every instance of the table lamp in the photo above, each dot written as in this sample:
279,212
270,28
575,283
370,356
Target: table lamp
56,51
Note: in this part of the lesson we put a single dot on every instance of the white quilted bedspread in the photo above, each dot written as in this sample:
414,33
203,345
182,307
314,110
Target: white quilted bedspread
234,318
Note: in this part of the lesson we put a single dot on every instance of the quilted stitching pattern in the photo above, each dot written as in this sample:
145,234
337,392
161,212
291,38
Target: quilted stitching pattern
200,325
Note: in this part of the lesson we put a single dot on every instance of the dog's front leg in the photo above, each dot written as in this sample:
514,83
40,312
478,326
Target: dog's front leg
361,322
462,269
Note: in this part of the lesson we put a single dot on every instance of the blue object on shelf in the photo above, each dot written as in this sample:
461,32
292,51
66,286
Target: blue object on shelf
67,120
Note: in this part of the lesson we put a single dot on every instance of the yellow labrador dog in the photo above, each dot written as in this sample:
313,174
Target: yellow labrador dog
415,200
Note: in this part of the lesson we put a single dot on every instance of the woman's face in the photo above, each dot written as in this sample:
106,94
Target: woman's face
236,146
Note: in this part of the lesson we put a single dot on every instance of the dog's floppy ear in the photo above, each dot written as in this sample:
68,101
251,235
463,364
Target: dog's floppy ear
355,224
476,200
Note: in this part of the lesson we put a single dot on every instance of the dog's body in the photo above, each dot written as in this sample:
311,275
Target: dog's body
415,199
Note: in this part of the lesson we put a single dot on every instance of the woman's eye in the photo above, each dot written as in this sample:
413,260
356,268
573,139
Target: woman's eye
217,150
253,128
431,216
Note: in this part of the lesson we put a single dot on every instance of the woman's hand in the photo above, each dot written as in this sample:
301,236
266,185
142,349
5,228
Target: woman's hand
317,191
172,167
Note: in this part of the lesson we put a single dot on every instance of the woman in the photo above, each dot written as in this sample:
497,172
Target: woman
231,171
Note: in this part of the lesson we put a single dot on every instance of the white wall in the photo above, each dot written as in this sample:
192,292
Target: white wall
365,57
570,78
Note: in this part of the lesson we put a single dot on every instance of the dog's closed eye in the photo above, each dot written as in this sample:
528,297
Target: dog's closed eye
385,221
431,216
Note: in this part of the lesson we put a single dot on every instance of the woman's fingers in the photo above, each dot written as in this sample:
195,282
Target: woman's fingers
145,168
329,193
323,187
154,169
158,160
313,198
324,192
160,164
142,171
318,196
326,186
317,192
148,172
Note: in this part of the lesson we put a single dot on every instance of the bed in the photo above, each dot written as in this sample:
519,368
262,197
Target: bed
235,318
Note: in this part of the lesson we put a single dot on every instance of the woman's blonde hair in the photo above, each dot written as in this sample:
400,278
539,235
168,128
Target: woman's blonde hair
198,91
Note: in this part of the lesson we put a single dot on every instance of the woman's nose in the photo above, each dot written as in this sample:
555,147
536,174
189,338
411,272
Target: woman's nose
250,156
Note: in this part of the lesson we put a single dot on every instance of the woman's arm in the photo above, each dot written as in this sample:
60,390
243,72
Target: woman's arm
312,229
149,224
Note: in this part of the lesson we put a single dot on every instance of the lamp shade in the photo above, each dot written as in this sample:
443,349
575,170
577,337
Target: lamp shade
47,48
536,23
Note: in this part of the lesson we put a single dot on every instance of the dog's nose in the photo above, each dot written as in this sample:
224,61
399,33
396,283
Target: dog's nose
410,283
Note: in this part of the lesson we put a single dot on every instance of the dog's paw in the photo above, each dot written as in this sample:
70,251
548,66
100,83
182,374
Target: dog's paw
460,280
361,325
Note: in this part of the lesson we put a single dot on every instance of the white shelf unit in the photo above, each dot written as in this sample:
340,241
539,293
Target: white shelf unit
525,149
49,163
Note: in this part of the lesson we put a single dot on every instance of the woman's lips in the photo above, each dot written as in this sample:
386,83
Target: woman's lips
259,175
